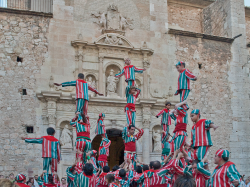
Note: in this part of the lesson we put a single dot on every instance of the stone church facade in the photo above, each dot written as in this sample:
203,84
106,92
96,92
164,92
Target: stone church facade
93,37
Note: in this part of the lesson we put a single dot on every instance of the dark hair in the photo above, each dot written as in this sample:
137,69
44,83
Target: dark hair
106,169
138,169
116,167
129,127
63,178
11,174
50,179
185,181
145,167
225,159
157,165
168,103
122,174
110,178
151,164
88,169
184,64
132,87
81,76
195,161
28,182
50,131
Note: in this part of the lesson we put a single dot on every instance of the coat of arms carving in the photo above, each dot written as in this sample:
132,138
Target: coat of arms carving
112,20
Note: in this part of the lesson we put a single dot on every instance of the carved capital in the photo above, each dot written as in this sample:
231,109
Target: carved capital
52,118
146,123
51,105
101,58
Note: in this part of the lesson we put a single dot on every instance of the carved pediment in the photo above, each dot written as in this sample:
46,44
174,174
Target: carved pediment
113,39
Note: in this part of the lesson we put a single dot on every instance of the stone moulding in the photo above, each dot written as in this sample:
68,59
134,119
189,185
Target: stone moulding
196,3
200,35
26,12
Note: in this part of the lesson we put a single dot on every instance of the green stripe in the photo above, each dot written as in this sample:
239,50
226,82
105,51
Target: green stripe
83,137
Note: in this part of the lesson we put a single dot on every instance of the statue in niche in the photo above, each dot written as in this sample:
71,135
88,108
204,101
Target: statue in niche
92,83
65,139
157,140
112,84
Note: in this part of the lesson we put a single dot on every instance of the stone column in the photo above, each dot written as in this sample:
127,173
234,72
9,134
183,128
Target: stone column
146,139
146,65
100,79
51,109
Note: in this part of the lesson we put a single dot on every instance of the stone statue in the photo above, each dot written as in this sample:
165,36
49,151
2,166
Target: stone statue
93,84
102,22
51,83
123,22
157,140
112,84
65,139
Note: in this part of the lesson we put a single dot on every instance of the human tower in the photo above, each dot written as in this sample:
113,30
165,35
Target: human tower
179,157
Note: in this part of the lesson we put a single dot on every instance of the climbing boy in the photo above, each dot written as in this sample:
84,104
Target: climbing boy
82,96
50,151
200,135
184,82
165,119
131,94
129,72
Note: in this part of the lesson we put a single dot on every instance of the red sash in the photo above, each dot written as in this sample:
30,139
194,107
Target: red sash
103,158
49,185
83,81
50,138
227,164
22,185
199,123
180,127
130,146
158,185
166,110
131,106
130,66
85,134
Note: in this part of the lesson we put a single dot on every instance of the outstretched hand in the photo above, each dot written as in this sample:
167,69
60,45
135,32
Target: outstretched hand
100,94
57,84
23,138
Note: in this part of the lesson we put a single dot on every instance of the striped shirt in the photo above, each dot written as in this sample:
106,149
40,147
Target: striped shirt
164,143
127,138
130,97
101,180
200,133
165,119
82,180
82,88
70,176
224,175
129,72
202,176
184,79
179,119
100,127
50,146
104,147
80,127
154,177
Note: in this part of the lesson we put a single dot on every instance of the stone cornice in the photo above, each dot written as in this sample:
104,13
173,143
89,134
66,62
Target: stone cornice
26,12
98,101
193,3
200,35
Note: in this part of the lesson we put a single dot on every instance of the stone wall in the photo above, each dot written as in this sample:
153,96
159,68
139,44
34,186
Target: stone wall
185,17
248,28
26,37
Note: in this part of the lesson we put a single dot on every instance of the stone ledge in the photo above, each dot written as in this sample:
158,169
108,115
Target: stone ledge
26,12
200,35
196,3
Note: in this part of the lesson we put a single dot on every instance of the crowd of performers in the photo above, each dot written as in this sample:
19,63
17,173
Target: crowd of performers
179,157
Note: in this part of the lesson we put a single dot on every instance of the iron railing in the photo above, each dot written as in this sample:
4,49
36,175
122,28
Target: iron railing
45,6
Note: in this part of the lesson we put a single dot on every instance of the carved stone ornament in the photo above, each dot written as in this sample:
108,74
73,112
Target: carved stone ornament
114,39
65,139
52,118
112,20
146,123
157,140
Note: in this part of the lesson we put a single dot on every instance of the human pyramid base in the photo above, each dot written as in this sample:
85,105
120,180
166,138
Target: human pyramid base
182,164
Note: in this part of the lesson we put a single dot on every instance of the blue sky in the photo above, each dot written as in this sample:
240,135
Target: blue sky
247,2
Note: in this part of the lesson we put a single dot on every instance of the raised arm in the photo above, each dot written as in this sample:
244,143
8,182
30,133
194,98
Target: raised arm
58,152
71,83
138,92
205,172
108,143
69,173
124,133
93,90
120,74
33,140
173,116
138,70
233,174
190,75
160,113
139,134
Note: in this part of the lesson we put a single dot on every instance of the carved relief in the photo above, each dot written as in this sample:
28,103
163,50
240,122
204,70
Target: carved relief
157,140
66,137
51,118
113,39
112,19
51,83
